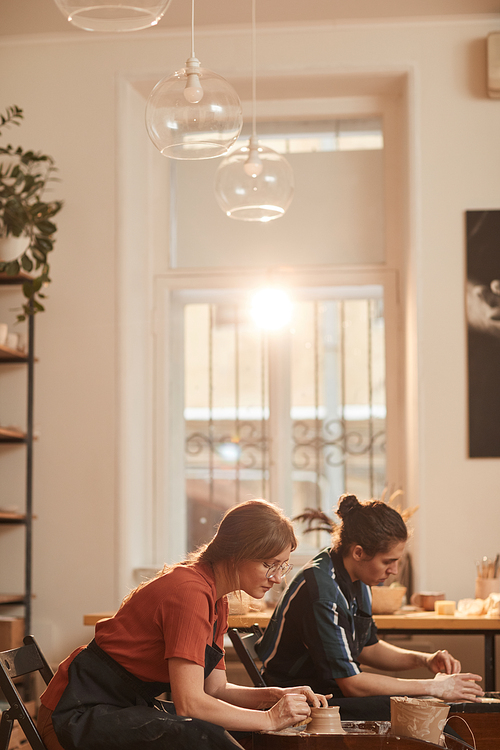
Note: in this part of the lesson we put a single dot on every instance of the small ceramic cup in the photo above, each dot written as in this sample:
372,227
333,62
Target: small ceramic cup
487,586
4,330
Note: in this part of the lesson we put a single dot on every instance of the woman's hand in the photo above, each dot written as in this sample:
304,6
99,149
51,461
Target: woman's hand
293,708
443,661
457,687
314,699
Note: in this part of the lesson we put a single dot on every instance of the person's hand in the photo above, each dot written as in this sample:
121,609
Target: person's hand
314,699
443,661
293,708
457,687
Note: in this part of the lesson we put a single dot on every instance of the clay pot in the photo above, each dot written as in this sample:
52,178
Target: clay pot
325,720
419,718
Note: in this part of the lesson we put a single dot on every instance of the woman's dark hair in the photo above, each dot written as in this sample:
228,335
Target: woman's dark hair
374,525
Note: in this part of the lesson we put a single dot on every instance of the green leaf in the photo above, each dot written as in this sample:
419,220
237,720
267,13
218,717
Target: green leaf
38,254
13,268
26,263
44,244
46,227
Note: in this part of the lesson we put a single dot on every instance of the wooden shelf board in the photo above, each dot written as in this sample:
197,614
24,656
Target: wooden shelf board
11,599
12,355
5,279
7,516
8,433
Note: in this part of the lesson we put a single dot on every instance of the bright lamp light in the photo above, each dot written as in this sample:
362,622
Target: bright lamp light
271,309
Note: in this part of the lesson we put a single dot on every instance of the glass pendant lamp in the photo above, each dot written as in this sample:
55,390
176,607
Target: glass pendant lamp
254,183
194,113
113,15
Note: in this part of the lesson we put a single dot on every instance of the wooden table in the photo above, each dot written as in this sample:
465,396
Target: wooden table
406,623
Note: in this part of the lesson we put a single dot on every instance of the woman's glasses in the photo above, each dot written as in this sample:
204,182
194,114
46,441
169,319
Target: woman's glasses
278,569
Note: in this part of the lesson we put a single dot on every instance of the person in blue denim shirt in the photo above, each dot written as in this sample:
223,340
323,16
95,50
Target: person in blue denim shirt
322,630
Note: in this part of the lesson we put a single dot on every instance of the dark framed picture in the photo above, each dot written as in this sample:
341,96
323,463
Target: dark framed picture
483,332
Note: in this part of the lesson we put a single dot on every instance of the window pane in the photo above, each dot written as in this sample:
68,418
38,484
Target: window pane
338,402
226,413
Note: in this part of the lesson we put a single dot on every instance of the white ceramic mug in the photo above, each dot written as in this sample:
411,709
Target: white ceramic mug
4,330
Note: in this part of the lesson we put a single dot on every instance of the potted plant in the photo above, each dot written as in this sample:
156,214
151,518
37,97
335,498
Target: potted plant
24,175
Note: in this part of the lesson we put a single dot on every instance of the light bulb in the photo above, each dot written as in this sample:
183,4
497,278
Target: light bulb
193,93
253,165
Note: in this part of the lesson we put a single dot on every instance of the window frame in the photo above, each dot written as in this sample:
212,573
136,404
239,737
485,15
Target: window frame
168,517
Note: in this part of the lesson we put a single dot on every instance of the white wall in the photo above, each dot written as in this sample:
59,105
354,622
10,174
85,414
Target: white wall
332,191
68,87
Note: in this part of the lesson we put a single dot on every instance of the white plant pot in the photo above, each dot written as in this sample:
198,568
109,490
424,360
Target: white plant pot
12,247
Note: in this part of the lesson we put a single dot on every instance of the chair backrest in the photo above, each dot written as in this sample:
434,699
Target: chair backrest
243,640
18,662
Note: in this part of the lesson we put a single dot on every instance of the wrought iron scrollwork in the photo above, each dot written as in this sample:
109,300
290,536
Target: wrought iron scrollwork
253,446
333,440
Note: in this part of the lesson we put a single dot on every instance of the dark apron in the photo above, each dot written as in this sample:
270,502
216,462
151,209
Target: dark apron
104,706
362,625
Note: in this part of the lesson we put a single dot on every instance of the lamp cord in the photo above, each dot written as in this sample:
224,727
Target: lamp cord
254,74
192,28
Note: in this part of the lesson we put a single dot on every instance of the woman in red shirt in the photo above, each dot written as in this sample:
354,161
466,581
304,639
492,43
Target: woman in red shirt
167,636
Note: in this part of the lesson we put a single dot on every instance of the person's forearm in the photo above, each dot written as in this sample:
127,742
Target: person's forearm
389,658
377,684
218,711
449,687
250,697
396,660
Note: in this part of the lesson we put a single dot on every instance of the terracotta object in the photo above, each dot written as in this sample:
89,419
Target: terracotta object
427,599
419,718
325,720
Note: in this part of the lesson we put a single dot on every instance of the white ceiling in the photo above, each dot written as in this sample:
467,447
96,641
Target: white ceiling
18,17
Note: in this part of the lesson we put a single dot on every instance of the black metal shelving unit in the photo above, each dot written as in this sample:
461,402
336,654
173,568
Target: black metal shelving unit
11,436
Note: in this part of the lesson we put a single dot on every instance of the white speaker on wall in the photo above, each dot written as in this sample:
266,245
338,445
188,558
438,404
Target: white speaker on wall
493,66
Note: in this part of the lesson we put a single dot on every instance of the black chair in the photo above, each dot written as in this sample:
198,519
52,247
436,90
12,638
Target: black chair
243,640
19,662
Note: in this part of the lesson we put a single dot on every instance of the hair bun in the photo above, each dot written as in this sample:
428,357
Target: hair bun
346,504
